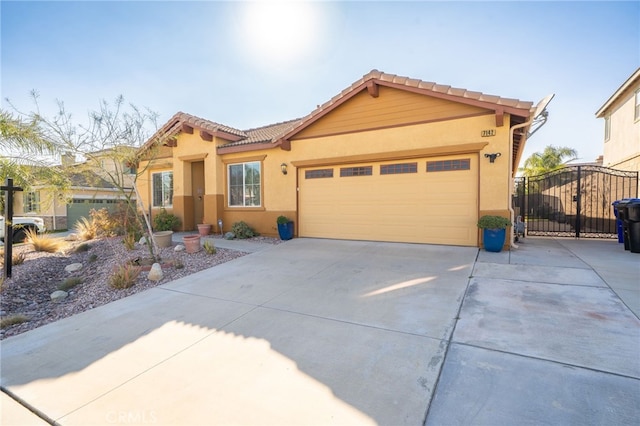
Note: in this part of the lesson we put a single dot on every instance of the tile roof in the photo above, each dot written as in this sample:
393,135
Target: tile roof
201,123
174,125
420,86
89,179
265,134
275,133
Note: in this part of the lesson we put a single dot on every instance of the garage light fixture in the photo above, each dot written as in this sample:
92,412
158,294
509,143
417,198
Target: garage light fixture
492,157
283,167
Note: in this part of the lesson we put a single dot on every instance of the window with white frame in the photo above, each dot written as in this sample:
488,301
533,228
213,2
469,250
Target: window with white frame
244,180
636,113
163,189
31,202
607,127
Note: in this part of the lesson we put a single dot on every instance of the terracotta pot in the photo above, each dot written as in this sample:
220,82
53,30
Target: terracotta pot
204,229
163,238
191,243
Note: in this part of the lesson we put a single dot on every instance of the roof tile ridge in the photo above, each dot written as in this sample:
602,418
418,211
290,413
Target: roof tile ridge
253,129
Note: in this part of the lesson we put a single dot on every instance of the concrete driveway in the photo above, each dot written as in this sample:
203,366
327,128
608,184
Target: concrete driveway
343,332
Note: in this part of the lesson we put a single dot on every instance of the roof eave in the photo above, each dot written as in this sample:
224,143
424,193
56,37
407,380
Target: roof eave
623,88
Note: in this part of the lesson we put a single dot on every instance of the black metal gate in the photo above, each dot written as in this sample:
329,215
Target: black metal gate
574,201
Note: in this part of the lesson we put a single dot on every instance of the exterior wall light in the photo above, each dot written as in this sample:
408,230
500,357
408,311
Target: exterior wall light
283,167
492,157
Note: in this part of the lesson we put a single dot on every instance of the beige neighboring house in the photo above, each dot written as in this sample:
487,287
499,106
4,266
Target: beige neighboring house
95,184
621,113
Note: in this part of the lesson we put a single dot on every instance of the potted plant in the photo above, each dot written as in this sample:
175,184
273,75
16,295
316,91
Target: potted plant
494,232
204,229
191,243
163,224
285,227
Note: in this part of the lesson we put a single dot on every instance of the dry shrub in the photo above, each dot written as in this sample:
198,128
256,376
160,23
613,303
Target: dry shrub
16,258
86,229
129,241
43,243
124,276
13,320
69,283
104,223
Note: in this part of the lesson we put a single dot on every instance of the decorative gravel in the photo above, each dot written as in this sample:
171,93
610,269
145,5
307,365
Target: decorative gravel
28,291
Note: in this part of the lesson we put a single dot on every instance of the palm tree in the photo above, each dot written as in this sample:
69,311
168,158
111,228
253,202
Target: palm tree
552,158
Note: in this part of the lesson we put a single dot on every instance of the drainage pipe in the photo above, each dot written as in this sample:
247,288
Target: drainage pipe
511,176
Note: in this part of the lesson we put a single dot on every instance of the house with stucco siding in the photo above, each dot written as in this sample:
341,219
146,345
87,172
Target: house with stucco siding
389,158
621,113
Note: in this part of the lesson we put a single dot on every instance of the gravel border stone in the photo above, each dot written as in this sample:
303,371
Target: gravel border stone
28,291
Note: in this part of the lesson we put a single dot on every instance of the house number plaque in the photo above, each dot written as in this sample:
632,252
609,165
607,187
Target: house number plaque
487,133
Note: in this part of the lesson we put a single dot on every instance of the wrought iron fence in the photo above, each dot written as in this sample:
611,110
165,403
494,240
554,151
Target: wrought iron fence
575,201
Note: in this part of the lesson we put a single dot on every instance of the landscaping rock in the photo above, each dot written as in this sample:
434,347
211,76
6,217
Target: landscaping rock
155,274
59,295
143,241
229,236
179,247
73,267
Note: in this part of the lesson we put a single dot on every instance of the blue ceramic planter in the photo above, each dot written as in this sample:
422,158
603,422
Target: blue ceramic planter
285,230
494,239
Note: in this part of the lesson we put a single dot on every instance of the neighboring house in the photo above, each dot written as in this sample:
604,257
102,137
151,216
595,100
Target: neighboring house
388,159
621,113
94,184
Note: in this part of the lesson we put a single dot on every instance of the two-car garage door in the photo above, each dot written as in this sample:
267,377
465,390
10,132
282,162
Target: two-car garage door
427,200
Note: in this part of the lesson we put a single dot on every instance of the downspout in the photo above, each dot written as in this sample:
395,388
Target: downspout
511,176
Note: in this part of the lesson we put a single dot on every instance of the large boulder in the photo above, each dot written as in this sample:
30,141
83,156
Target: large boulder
229,236
58,296
155,274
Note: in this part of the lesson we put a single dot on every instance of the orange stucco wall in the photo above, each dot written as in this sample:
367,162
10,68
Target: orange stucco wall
344,134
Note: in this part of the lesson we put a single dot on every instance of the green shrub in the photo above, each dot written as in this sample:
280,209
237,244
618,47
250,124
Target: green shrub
493,222
241,230
82,248
281,220
165,221
69,283
124,276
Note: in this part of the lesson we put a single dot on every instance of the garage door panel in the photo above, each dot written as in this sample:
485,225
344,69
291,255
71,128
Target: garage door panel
424,207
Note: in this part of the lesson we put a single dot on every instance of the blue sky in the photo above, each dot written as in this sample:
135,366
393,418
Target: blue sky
247,65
